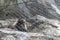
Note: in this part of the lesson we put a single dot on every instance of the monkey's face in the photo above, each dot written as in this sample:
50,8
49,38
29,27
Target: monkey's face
23,24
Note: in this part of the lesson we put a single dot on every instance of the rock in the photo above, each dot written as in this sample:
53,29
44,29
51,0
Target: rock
8,37
13,36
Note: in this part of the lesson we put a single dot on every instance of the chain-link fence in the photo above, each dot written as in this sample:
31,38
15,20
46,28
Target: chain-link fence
12,9
26,10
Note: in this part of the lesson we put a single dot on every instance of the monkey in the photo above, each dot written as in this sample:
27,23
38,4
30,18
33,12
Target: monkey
21,26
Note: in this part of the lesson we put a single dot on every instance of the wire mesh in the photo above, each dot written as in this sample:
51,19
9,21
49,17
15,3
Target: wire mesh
11,9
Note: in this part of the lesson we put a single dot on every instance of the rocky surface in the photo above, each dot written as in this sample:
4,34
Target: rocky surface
12,35
44,31
42,19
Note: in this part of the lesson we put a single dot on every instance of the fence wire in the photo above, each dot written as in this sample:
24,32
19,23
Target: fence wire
13,10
